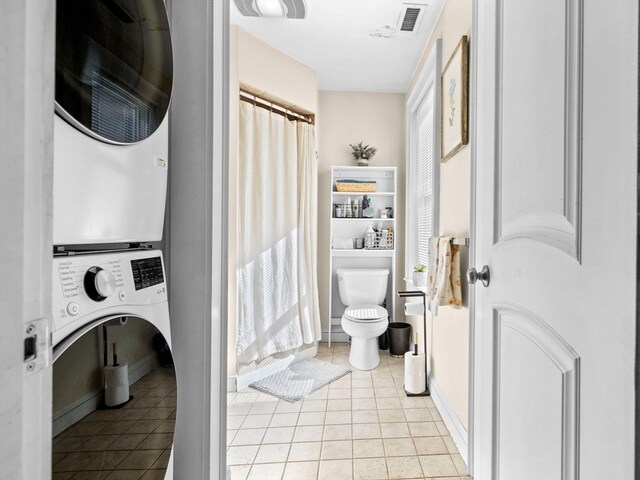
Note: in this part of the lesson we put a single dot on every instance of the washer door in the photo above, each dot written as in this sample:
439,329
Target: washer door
114,67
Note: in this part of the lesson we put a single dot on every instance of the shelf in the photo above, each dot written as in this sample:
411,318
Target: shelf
370,220
368,194
362,252
343,228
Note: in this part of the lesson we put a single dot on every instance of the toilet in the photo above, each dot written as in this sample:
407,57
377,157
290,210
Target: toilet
364,320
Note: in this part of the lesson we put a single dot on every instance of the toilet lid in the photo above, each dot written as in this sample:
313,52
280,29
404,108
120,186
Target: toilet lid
365,313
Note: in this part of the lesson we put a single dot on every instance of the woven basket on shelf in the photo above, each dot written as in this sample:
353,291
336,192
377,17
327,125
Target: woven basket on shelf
356,186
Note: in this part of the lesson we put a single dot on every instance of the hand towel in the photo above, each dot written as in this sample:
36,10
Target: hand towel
444,274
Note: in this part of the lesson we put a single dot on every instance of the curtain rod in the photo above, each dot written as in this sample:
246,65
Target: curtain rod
274,107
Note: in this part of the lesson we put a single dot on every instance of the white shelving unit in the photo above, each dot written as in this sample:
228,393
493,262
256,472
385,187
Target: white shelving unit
345,228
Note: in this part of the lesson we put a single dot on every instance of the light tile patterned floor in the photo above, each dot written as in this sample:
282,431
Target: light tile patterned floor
133,442
360,427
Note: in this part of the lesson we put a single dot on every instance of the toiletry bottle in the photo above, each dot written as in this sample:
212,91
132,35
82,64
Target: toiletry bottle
348,215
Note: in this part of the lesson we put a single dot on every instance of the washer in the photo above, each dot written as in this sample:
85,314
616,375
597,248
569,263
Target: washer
114,77
89,290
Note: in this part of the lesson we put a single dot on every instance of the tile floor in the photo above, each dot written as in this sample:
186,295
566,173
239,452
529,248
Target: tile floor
360,427
133,442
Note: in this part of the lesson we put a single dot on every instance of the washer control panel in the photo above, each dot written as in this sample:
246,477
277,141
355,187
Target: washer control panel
87,286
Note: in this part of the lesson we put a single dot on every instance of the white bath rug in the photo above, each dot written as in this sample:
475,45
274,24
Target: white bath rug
300,379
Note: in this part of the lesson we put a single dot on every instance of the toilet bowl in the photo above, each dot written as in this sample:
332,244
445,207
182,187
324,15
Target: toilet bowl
364,320
364,324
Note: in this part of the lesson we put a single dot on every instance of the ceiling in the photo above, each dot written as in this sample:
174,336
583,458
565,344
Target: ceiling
352,44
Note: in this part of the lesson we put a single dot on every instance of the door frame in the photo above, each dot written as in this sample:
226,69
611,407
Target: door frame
26,198
473,72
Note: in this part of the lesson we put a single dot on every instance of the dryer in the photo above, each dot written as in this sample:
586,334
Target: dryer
114,77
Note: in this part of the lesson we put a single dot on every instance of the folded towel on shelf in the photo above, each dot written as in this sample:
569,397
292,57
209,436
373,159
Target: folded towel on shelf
443,287
342,243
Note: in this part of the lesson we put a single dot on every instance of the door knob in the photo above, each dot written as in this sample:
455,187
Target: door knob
484,276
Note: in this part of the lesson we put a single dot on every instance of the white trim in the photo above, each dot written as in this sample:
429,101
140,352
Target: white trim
142,367
428,78
27,57
450,419
336,337
196,238
472,227
232,382
76,411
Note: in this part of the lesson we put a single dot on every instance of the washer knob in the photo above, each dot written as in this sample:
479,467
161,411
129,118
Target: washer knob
99,283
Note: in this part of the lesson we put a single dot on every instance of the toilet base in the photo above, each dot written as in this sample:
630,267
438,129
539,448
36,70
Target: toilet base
363,354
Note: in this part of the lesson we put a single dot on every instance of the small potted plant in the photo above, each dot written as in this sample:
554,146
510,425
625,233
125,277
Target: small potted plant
420,275
362,153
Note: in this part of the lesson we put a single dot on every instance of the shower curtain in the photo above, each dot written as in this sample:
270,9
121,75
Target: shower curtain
277,282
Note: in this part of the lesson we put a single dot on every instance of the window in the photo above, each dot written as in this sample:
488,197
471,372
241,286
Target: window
423,164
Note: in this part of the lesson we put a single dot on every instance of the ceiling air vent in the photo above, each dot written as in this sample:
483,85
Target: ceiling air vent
410,17
272,8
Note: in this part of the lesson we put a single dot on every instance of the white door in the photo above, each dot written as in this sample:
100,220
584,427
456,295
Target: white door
26,152
555,222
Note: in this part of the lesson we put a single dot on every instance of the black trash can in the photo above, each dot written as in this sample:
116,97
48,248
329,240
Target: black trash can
399,338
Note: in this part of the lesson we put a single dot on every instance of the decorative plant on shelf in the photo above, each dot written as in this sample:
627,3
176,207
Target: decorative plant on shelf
420,275
363,153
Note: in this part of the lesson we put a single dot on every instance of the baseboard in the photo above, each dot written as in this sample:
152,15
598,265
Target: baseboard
232,382
76,411
458,432
141,368
338,337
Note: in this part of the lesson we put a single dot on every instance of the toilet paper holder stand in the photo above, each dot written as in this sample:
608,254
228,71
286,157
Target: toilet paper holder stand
419,293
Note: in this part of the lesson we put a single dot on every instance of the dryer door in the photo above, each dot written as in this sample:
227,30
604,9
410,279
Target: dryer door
114,67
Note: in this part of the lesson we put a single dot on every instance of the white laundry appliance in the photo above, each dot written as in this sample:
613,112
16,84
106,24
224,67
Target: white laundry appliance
90,290
114,77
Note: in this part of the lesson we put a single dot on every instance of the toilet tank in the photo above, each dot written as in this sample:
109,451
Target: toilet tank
362,286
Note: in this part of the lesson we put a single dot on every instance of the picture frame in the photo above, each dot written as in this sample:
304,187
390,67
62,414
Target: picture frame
454,102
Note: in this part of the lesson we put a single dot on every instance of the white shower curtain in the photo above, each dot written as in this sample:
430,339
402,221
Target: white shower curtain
277,287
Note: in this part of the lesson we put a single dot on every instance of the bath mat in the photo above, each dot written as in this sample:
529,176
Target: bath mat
300,379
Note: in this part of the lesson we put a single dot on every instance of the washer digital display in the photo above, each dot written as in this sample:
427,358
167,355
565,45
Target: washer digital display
147,272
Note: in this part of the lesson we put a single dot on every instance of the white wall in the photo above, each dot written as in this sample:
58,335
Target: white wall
267,72
449,331
346,118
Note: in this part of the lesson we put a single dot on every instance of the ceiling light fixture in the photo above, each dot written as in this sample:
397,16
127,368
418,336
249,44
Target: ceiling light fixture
272,8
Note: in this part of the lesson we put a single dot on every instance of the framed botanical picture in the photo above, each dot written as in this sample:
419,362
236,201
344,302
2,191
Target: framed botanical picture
454,101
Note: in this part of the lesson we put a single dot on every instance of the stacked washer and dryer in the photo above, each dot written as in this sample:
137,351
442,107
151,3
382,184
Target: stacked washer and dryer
114,74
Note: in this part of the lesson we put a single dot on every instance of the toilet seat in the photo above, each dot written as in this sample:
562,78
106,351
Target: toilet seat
365,313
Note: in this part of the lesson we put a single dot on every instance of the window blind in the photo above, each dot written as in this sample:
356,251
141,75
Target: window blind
116,113
424,190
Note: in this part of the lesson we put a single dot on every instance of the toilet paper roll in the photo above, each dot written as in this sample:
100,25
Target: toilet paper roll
414,308
414,373
116,385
